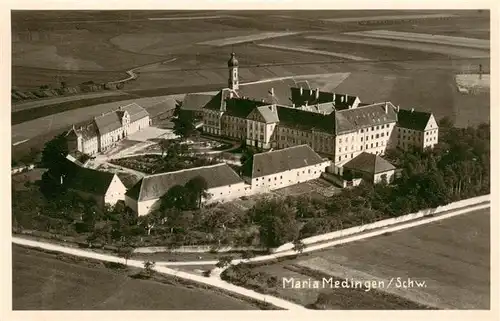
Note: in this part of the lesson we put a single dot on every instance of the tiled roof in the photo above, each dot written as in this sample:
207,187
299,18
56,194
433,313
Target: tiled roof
135,111
268,114
341,101
195,102
89,180
369,163
305,120
237,107
108,122
86,131
365,116
161,107
412,119
283,160
263,91
325,108
155,186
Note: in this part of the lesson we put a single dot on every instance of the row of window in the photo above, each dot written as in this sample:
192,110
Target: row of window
375,128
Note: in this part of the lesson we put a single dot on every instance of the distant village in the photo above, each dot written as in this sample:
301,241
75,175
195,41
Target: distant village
300,134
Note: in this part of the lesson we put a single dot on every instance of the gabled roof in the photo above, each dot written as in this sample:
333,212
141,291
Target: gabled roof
283,160
412,119
268,114
263,91
135,111
365,116
86,131
369,163
155,186
195,102
108,122
89,180
305,120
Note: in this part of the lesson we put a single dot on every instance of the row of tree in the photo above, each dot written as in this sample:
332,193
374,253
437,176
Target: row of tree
457,168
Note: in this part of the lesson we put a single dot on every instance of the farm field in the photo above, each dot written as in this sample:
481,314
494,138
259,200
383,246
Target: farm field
427,38
42,281
452,256
434,48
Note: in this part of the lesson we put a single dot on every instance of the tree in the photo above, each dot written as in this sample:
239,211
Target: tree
149,267
277,222
224,261
298,246
176,197
183,122
54,154
125,252
164,145
197,188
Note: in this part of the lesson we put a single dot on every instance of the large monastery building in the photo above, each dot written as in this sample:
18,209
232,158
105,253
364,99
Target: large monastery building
284,113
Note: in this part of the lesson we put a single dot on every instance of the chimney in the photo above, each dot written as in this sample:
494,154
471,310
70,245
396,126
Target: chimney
262,100
306,103
345,97
397,108
341,99
301,90
412,110
317,93
231,95
272,91
62,179
386,107
293,105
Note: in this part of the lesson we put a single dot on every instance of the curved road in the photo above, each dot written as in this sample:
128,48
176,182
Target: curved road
211,281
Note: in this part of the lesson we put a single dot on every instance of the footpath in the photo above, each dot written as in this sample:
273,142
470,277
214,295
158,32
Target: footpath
323,242
211,281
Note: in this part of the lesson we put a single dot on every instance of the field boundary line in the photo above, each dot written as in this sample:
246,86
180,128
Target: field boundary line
343,240
214,282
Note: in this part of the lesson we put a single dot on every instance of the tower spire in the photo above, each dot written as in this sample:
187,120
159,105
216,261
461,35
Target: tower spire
232,64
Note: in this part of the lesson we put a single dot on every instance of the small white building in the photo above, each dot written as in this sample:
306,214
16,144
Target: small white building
281,168
103,187
369,167
222,182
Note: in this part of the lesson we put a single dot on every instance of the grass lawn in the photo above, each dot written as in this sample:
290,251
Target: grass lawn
43,281
451,255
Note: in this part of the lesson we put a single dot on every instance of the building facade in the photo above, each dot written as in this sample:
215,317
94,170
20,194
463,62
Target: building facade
107,129
338,126
285,167
102,187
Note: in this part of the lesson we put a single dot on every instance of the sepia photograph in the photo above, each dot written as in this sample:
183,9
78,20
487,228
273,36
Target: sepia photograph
168,160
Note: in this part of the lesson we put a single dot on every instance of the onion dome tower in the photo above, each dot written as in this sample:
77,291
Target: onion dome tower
232,64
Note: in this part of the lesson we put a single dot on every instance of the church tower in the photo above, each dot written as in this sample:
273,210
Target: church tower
232,64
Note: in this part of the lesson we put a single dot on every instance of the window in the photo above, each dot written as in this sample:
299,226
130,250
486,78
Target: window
361,130
373,128
275,178
361,138
340,140
340,158
371,145
366,146
377,136
376,144
268,179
